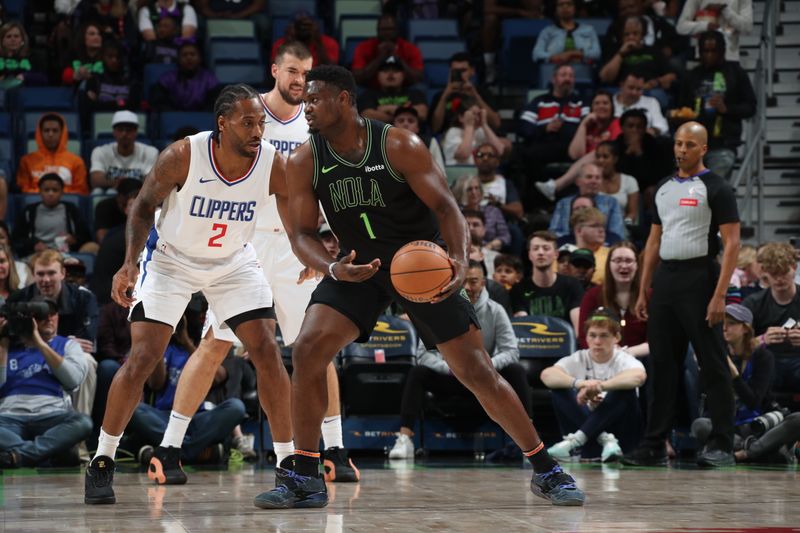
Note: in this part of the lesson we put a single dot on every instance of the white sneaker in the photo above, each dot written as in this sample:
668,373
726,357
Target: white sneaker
403,448
611,450
547,188
244,443
562,449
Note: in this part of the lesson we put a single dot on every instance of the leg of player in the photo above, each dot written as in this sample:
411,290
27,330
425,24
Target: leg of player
325,331
148,342
193,386
338,465
274,388
472,366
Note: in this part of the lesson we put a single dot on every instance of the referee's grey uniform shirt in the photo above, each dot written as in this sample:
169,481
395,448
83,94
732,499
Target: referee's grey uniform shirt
690,211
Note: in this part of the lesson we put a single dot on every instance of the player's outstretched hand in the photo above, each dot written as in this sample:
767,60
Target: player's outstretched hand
309,273
345,270
456,284
123,283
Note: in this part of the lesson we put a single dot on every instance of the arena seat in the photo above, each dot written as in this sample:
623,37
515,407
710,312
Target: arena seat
374,373
245,72
441,49
356,27
436,28
515,59
47,98
437,73
171,121
285,8
101,125
229,28
233,50
344,8
152,73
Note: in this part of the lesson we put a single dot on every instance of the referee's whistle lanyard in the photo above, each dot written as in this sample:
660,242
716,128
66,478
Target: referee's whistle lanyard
687,178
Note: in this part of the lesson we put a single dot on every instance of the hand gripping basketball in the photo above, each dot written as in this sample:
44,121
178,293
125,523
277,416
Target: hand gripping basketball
421,271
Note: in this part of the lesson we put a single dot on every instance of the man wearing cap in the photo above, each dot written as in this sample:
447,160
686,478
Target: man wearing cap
37,421
126,158
369,55
582,266
687,303
391,94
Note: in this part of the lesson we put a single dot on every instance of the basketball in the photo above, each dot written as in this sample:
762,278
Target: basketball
420,270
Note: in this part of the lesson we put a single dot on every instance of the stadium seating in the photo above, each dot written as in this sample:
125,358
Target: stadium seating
101,125
515,54
152,73
46,98
233,50
374,372
246,72
441,49
229,28
285,8
437,73
344,8
359,28
171,121
432,28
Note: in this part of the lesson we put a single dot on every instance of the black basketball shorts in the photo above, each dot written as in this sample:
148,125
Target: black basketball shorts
364,302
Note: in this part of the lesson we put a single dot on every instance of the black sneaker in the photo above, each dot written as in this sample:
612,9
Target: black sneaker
165,466
293,491
99,481
145,454
339,467
558,487
646,456
715,458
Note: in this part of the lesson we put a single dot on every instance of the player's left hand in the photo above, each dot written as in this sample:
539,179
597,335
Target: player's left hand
716,311
309,273
459,274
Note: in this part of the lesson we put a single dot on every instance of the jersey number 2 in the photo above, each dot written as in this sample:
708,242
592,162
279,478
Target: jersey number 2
365,218
222,228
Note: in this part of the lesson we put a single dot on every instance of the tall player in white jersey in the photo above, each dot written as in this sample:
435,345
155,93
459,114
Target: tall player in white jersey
286,128
212,186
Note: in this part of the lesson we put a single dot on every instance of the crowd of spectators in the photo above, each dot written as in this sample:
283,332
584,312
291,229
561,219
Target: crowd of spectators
558,201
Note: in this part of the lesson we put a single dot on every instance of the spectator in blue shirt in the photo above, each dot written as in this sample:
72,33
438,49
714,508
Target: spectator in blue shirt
567,41
37,421
589,183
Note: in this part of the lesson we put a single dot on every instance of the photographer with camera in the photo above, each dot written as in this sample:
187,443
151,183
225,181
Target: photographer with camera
762,427
77,315
38,369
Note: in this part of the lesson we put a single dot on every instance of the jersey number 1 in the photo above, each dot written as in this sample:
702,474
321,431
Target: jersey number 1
365,218
222,228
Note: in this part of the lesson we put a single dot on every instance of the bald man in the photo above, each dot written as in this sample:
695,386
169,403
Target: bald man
687,303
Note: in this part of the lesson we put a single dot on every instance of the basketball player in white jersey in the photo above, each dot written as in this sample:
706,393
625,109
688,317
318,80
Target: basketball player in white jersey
212,186
286,128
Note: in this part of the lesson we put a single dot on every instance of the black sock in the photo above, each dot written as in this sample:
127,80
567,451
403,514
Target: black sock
306,463
541,460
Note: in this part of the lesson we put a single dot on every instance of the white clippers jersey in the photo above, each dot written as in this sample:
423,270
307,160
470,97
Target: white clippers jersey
285,137
213,216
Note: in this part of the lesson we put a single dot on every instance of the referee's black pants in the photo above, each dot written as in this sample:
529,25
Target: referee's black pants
677,317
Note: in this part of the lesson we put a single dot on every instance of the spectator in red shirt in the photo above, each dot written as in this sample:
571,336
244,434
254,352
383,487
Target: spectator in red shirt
371,54
324,50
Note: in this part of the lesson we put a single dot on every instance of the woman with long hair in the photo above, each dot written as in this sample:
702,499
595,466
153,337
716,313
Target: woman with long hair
9,279
764,431
623,187
16,64
86,59
619,292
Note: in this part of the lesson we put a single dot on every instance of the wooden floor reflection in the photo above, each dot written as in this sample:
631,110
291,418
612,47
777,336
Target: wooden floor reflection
418,497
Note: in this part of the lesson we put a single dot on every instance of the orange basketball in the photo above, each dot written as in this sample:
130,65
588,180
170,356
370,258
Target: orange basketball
420,270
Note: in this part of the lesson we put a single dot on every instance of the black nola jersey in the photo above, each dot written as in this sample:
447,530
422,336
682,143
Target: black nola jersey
369,206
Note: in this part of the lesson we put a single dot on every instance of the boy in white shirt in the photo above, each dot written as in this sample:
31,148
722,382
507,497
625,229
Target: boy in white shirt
594,391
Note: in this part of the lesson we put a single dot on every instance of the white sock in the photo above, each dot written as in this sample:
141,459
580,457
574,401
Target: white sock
107,445
283,450
580,437
332,432
176,430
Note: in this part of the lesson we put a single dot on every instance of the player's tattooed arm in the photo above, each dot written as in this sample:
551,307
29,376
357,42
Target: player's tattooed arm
409,156
169,171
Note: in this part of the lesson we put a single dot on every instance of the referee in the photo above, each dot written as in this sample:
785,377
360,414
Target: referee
687,304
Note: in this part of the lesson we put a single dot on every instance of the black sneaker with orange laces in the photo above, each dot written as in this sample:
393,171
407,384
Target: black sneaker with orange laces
165,466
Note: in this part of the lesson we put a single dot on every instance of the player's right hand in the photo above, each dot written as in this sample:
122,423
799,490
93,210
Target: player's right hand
345,270
641,307
309,273
123,283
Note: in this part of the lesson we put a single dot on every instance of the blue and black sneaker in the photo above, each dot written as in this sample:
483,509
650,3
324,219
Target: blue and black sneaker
293,491
558,487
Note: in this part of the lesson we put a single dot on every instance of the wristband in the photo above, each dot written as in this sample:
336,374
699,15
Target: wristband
330,271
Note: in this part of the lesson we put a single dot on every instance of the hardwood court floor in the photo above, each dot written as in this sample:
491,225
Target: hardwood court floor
429,497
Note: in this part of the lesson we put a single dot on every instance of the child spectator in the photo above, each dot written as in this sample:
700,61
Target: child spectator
470,130
50,223
112,89
164,48
52,157
594,394
507,270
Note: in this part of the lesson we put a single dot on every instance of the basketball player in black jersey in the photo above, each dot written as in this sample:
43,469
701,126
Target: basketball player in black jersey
380,189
